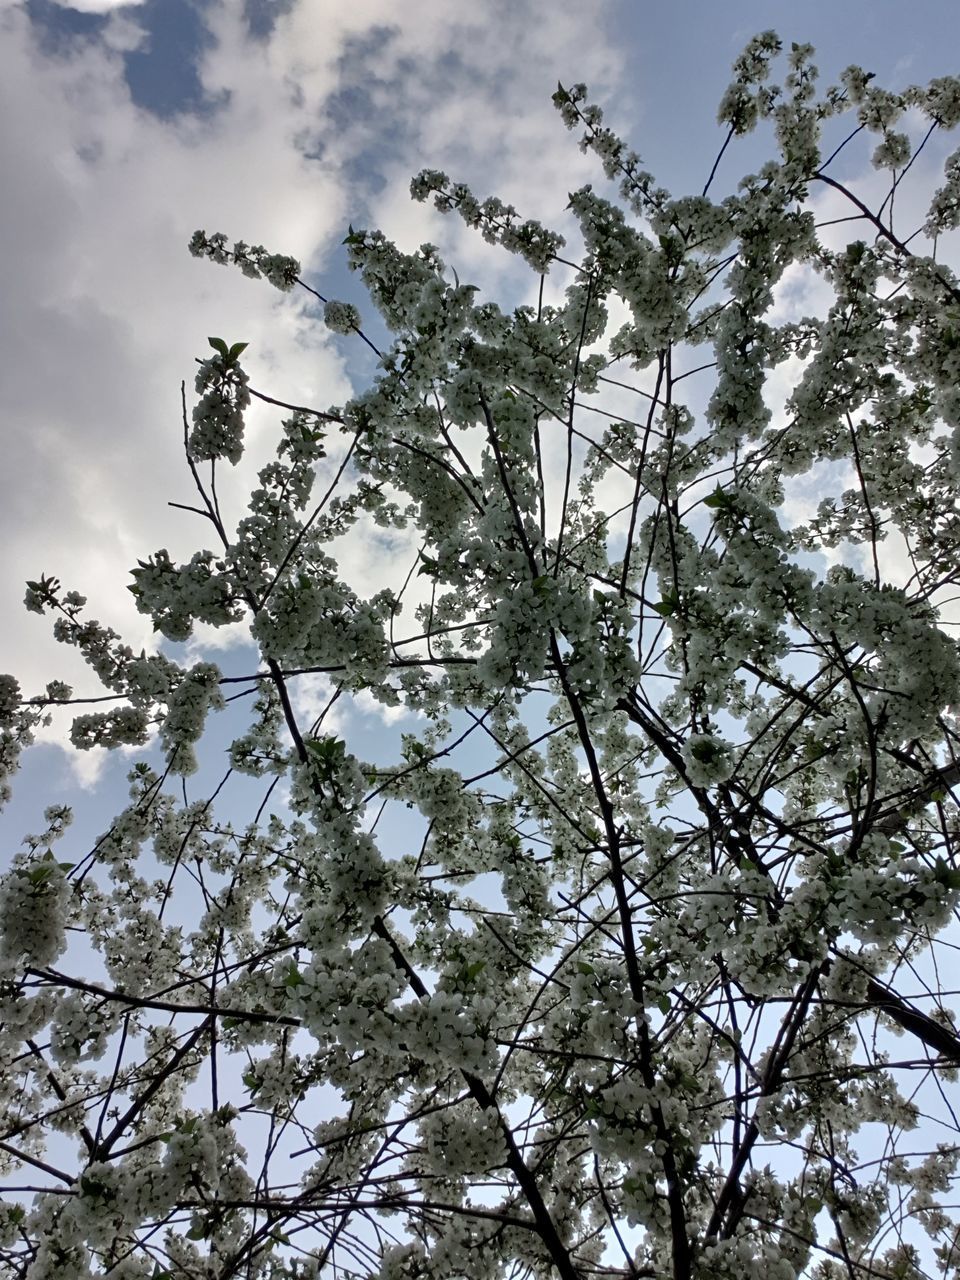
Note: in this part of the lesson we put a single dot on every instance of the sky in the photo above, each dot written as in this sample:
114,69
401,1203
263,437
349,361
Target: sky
125,127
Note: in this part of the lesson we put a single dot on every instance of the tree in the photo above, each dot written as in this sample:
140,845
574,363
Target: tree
682,762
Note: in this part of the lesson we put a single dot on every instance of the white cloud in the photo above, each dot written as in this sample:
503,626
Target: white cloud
209,640
105,311
366,703
97,6
313,698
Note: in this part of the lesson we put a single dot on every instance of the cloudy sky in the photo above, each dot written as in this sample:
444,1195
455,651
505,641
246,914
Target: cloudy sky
127,126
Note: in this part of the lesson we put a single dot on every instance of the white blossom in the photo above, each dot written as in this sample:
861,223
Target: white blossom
557,898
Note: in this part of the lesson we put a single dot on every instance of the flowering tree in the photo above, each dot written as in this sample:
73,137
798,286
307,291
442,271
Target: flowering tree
678,753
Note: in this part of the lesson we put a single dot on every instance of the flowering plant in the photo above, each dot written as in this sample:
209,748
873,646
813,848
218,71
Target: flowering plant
678,748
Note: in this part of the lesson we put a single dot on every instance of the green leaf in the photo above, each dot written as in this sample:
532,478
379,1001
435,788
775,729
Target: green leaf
668,606
329,750
585,968
40,875
672,248
719,498
235,351
946,875
663,1004
219,346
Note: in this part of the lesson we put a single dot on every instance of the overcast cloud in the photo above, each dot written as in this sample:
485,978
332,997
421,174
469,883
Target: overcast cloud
126,127
320,121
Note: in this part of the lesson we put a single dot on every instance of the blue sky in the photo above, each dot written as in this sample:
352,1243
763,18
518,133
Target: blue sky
126,127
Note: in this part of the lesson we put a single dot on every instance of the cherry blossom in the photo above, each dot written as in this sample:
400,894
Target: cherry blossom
626,954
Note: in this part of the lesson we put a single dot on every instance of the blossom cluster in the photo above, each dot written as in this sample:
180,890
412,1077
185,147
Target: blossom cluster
218,415
253,260
597,954
33,914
